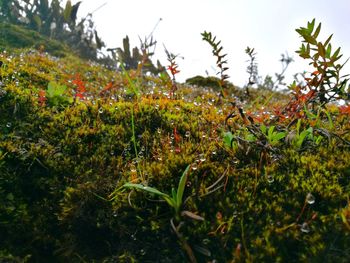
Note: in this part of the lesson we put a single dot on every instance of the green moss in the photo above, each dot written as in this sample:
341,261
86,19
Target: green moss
14,36
63,166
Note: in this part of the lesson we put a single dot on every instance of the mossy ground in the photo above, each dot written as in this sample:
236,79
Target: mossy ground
63,166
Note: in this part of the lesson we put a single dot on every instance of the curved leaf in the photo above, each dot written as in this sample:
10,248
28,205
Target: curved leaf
181,187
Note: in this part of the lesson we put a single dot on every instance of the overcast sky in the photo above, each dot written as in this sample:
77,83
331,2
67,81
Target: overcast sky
266,25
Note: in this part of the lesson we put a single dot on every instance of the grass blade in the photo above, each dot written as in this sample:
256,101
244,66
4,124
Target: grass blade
146,188
181,187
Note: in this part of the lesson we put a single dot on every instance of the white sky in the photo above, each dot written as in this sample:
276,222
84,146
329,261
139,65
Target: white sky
267,25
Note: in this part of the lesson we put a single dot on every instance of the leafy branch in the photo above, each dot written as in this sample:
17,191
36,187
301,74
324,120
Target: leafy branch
217,52
326,81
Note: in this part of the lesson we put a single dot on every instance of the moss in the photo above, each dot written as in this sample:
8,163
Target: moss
14,36
64,165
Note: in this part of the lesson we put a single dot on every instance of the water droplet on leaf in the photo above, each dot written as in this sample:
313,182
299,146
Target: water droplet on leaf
205,241
133,168
194,166
270,179
310,199
202,157
305,228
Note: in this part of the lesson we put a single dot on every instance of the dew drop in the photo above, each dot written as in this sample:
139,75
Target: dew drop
205,241
270,179
310,199
213,152
142,252
8,125
187,134
133,168
202,157
100,110
194,166
305,228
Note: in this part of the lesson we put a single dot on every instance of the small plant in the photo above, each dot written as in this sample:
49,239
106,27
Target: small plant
136,60
55,94
325,83
175,199
272,136
252,69
81,89
53,20
298,137
221,63
173,68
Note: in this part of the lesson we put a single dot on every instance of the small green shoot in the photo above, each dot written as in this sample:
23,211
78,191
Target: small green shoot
272,136
56,94
175,200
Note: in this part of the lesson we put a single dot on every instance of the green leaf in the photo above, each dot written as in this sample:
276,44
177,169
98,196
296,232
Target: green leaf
55,90
146,189
328,51
317,32
37,21
318,139
335,55
328,40
321,50
270,132
173,193
170,201
298,126
67,11
302,137
228,137
279,136
263,129
181,187
310,39
250,138
330,121
310,26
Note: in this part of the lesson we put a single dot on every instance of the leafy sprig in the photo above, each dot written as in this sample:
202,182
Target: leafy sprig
217,52
326,81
